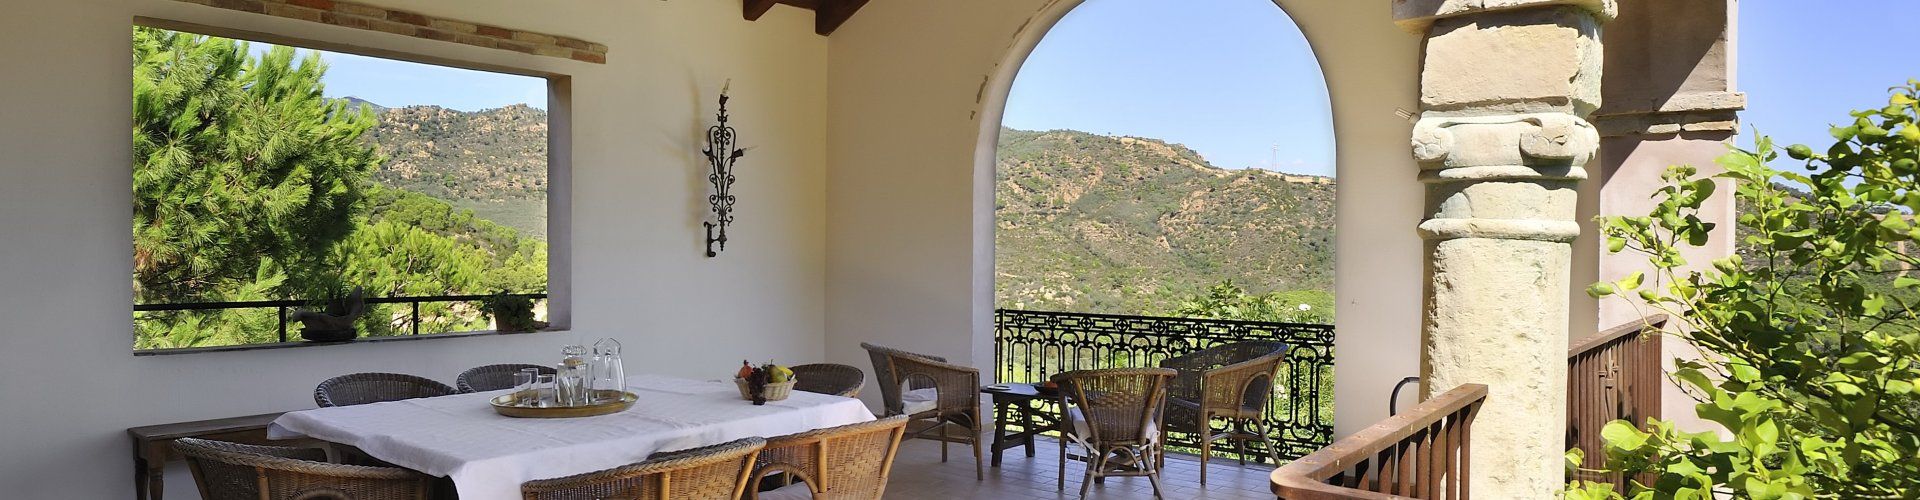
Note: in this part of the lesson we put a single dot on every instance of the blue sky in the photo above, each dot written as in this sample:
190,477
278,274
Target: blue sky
1236,81
1804,65
1233,79
392,83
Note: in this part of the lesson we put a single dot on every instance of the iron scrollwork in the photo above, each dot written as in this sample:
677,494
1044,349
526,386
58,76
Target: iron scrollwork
721,152
1030,346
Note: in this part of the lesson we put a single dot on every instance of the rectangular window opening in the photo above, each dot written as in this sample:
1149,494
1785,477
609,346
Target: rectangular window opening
273,180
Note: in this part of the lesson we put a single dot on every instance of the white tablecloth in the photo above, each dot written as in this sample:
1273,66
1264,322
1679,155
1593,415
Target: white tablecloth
488,455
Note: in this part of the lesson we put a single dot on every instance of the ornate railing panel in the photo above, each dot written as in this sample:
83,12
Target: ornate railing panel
1030,346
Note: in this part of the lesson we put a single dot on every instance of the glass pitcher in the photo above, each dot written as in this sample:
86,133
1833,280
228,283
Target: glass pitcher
609,375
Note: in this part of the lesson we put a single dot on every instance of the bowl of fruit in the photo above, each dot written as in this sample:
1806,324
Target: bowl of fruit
760,384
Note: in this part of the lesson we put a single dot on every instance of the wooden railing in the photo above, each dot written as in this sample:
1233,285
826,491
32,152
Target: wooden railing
1615,375
1422,453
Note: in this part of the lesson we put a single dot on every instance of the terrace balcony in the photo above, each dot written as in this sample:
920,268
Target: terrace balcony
865,215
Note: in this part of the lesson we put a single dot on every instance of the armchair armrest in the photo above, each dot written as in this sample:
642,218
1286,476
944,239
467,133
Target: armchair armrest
958,386
1230,386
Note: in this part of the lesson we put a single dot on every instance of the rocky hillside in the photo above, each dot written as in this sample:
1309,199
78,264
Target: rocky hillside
1128,225
492,161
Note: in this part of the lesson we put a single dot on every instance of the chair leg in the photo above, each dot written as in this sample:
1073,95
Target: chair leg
1206,447
1153,471
1266,437
1239,440
979,468
943,438
1063,464
1094,465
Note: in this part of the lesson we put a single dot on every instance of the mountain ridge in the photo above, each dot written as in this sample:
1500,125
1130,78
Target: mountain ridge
1133,225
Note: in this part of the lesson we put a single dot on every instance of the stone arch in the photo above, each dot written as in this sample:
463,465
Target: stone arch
1371,70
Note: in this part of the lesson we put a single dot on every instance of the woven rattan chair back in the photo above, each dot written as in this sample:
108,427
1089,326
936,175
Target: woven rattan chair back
882,358
850,462
1248,385
1118,404
363,388
230,471
493,377
829,378
717,472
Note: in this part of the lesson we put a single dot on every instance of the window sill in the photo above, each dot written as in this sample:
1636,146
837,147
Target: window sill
363,340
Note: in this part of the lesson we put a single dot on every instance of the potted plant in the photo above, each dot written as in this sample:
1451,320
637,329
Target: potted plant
511,313
333,319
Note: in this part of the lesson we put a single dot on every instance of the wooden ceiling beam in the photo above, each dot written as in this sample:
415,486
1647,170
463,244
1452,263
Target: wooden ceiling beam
753,9
833,13
828,15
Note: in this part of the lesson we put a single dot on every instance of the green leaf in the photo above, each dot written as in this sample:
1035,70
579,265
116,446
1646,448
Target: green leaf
1632,281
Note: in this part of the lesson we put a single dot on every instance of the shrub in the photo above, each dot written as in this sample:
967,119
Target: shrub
1811,348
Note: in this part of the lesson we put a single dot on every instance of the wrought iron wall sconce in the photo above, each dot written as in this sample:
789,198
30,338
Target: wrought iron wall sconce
721,153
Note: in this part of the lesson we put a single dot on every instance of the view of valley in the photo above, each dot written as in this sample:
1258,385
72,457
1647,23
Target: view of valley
1129,225
312,196
250,185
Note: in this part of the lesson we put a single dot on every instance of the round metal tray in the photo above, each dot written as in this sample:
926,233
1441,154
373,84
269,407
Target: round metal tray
503,404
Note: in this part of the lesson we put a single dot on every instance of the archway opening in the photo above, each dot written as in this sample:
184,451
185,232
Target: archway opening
1164,183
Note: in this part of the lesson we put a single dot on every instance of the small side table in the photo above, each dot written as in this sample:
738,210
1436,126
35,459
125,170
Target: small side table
1021,405
152,445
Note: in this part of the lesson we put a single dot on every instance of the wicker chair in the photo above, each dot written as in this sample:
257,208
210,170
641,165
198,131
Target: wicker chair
363,388
829,378
1114,416
845,463
717,472
229,471
890,392
939,394
493,377
1231,382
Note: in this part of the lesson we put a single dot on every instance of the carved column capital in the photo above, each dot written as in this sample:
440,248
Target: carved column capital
1520,140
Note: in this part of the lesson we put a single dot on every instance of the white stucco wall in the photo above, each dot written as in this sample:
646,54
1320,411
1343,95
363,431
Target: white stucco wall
71,386
916,89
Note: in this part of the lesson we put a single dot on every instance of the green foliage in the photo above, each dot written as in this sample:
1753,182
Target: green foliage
1127,225
1227,300
1811,346
225,145
510,313
250,185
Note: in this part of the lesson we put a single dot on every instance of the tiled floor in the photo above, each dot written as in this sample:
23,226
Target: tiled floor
919,475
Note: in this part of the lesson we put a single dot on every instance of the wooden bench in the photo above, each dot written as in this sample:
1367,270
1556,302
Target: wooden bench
152,445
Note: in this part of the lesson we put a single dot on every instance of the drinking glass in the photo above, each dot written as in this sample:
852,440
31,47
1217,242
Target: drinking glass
570,380
524,392
545,382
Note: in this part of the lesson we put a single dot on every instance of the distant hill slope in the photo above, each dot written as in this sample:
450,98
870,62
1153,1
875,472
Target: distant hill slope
492,161
1128,225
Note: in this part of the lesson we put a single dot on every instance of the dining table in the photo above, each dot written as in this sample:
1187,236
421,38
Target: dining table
487,455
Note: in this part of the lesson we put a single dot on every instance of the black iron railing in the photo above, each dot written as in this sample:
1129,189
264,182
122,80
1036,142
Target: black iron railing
284,306
1030,346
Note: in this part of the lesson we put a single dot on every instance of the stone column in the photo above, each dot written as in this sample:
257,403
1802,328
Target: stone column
1502,141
